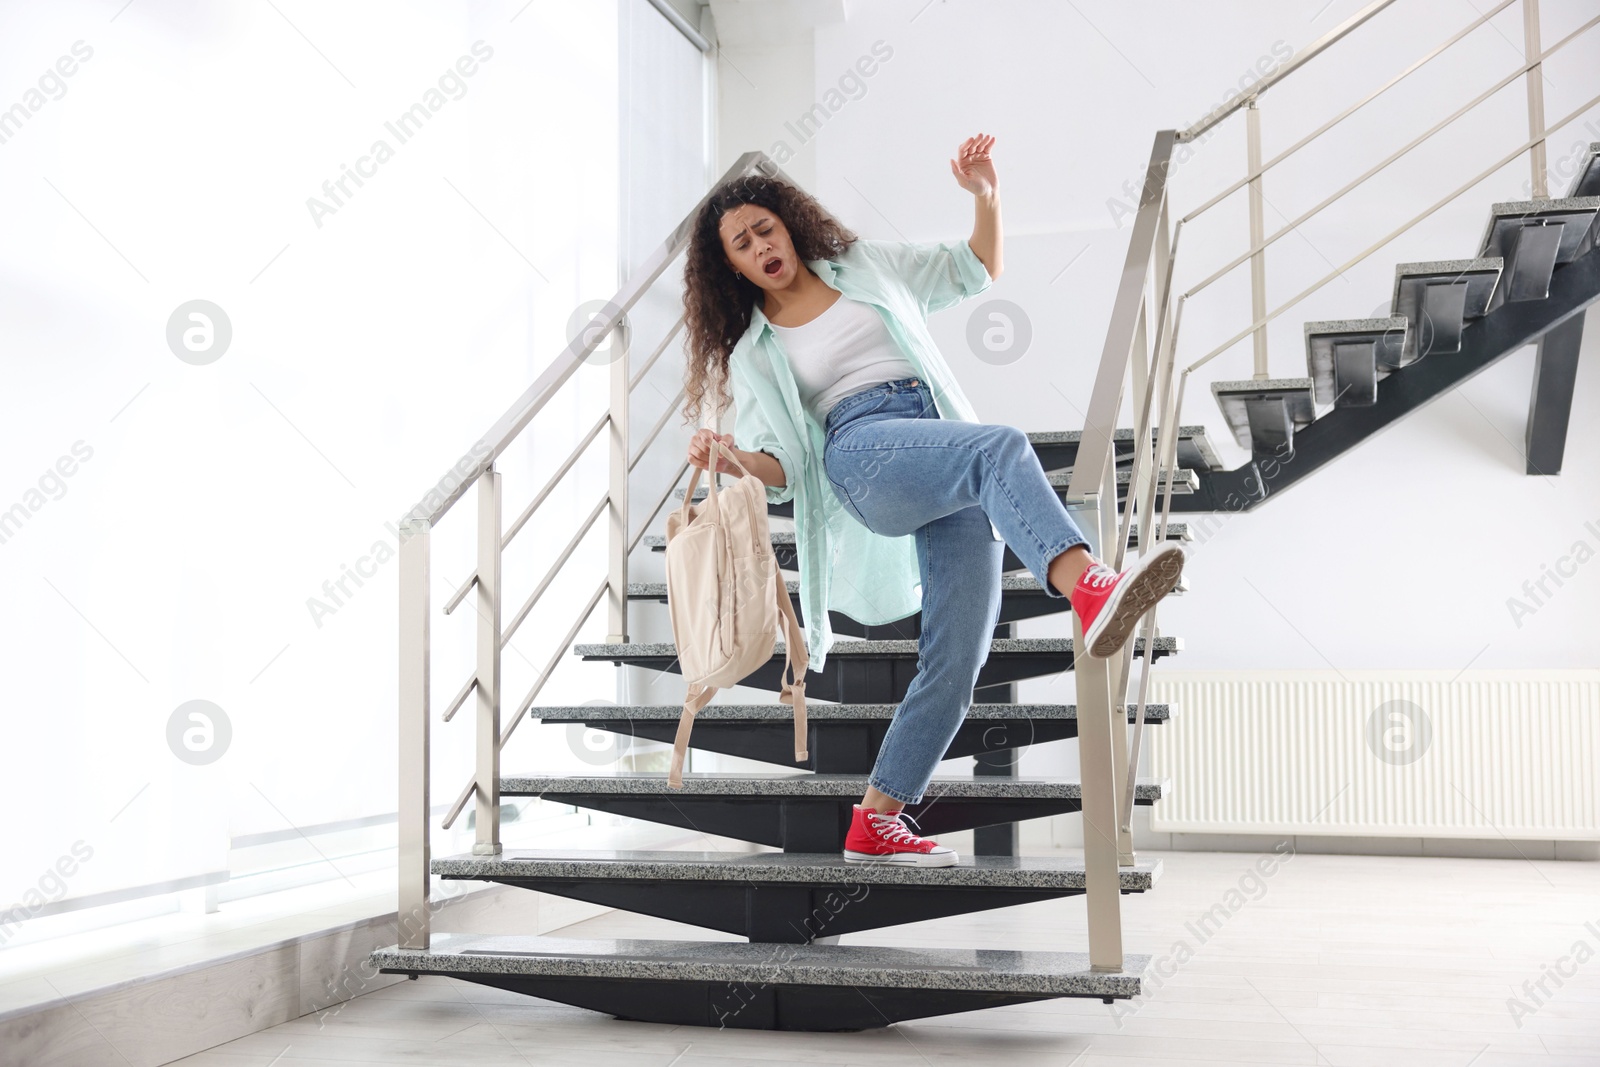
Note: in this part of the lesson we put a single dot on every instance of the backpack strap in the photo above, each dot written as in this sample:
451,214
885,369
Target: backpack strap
699,696
798,662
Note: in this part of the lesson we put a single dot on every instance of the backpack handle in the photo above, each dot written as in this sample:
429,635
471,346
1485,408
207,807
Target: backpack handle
711,480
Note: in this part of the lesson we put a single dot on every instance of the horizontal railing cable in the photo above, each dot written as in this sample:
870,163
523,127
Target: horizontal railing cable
1290,227
1507,158
1351,110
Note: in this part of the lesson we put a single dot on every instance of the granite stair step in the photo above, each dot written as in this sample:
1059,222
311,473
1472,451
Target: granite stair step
1344,362
1059,448
784,546
1264,413
808,812
1438,297
1184,480
1021,597
786,897
843,738
879,671
753,985
1533,238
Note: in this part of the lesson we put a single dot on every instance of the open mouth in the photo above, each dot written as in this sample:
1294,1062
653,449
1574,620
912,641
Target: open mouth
773,266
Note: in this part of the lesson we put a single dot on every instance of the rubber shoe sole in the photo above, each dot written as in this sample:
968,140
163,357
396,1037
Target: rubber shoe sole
1150,579
907,859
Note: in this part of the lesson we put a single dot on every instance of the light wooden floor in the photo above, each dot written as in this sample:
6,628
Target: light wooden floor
1339,960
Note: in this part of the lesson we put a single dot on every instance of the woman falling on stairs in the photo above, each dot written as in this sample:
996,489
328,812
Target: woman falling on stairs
823,337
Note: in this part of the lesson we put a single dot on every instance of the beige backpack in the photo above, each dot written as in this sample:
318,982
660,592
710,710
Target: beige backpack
726,597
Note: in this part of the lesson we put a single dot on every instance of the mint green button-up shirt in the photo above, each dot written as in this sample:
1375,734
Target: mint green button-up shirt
844,566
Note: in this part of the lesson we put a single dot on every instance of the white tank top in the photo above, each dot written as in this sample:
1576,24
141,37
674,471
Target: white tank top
842,351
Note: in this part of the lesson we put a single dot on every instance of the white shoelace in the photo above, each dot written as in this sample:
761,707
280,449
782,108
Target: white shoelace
881,825
1100,575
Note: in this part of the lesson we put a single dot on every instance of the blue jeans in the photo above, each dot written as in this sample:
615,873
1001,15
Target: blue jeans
898,468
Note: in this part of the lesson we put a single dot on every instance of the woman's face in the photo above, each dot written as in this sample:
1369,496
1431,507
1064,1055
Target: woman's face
754,237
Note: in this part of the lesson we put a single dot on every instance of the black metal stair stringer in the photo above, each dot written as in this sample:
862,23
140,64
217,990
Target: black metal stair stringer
745,1006
1508,329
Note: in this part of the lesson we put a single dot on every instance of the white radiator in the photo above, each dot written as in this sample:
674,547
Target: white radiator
1490,754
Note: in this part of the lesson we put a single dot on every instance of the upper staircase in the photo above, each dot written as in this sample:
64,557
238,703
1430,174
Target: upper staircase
1533,276
1527,280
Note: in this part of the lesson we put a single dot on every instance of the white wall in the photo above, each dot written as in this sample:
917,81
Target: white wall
1402,553
368,353
177,561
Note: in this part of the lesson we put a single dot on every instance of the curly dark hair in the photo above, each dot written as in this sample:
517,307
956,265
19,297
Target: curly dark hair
717,303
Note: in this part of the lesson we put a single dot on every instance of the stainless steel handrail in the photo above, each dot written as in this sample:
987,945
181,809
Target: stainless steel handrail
617,579
672,334
661,424
1103,747
527,513
1089,469
660,502
1532,70
537,395
550,484
563,650
1251,175
1092,492
555,569
1292,301
1144,309
467,687
561,646
492,636
666,253
1290,227
1317,47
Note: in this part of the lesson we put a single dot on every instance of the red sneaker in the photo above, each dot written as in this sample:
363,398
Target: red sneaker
1109,604
878,838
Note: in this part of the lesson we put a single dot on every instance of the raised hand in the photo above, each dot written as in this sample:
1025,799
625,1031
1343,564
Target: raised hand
973,168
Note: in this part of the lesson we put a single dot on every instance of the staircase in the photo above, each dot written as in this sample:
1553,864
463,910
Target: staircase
1528,280
1535,273
794,898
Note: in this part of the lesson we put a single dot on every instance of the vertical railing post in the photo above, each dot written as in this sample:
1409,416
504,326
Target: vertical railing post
1092,494
1152,365
413,819
487,743
1116,667
1532,51
1096,775
1153,465
1141,367
617,555
1258,233
1095,449
1119,670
